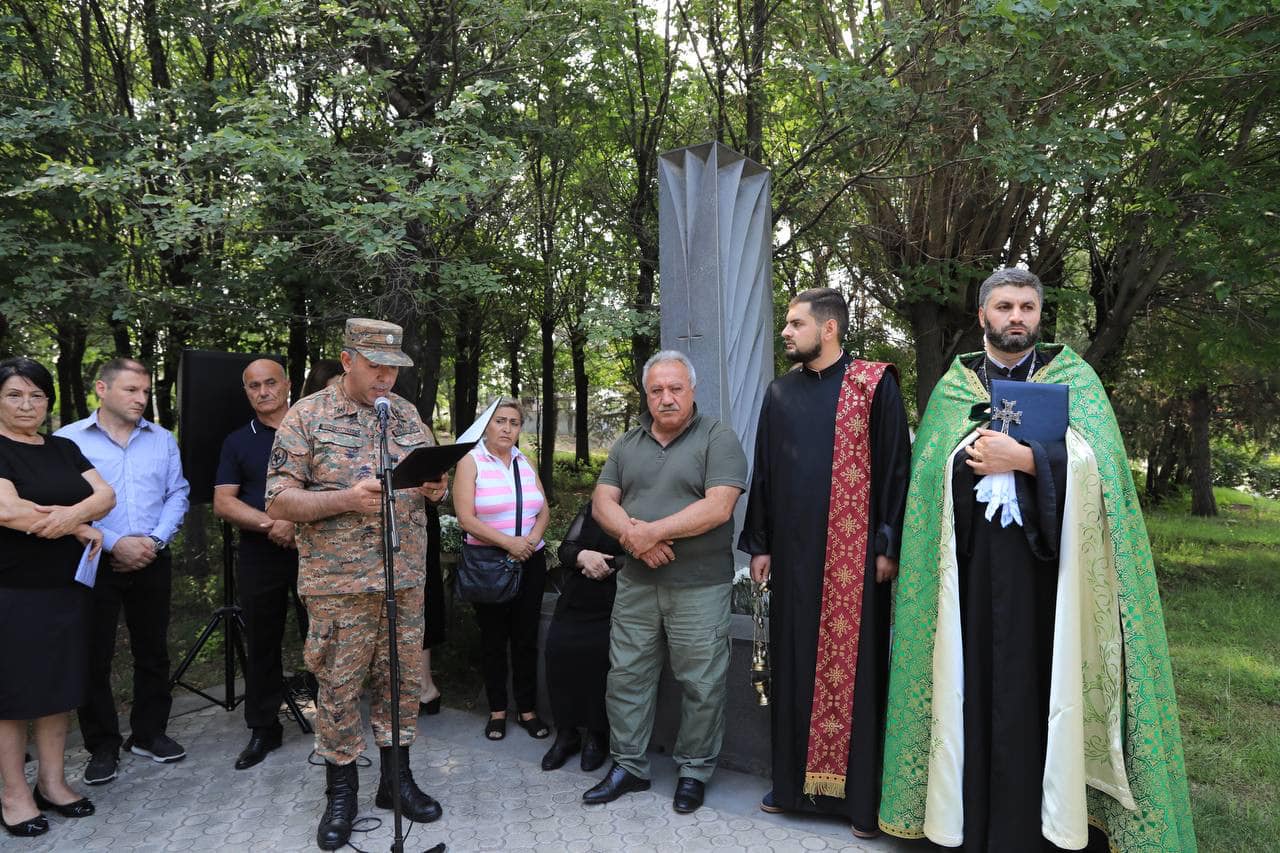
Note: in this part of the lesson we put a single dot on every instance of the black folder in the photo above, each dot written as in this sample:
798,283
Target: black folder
427,464
1038,411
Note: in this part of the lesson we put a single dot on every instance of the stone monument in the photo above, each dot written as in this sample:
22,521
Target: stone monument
715,243
715,232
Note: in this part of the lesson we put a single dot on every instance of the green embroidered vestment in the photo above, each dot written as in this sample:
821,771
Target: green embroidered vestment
1152,738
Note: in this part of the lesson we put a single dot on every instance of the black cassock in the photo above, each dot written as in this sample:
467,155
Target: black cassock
787,518
1008,590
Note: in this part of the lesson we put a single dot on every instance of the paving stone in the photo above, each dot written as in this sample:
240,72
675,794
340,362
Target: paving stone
495,797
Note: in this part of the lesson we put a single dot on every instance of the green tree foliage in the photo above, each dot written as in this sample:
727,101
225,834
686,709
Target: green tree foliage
244,176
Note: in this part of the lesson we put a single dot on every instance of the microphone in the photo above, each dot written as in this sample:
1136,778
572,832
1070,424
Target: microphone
383,407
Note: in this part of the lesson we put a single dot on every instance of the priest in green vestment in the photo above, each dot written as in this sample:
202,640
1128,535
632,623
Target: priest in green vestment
1030,692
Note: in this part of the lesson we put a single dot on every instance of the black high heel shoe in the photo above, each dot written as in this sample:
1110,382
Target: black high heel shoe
82,807
429,708
29,828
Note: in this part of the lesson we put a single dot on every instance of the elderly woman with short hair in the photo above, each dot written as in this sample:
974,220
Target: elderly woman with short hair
49,494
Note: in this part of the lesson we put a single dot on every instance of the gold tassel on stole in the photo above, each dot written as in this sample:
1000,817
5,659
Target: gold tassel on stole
824,785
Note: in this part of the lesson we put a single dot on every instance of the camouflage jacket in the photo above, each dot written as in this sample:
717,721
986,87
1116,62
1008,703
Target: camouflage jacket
327,442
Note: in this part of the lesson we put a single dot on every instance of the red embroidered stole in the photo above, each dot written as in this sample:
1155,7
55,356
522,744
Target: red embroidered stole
831,722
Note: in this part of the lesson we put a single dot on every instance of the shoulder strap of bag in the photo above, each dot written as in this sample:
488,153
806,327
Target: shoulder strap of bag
515,470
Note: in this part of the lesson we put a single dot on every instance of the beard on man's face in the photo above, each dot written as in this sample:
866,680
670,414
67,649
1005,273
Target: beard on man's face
1012,342
800,355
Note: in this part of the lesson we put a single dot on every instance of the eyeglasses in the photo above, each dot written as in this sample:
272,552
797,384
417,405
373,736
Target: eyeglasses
17,398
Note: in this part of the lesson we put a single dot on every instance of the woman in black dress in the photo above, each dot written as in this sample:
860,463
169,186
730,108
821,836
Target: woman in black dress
577,646
49,494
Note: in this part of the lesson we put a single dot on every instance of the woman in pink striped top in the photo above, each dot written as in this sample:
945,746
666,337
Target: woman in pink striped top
484,496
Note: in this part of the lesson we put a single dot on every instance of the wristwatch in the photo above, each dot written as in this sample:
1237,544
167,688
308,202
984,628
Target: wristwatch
160,543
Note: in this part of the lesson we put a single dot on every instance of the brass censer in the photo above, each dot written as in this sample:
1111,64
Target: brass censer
761,674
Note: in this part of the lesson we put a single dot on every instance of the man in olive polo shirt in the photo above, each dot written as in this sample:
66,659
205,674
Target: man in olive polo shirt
667,493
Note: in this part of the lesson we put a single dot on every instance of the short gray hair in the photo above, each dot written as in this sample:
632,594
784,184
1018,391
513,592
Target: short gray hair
511,403
1010,277
669,355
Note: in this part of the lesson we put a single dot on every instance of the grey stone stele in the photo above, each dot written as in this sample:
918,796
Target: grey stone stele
715,244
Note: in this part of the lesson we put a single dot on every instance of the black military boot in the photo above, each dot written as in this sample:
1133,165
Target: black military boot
414,804
342,783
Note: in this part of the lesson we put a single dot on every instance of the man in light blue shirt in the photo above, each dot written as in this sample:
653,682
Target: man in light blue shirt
141,462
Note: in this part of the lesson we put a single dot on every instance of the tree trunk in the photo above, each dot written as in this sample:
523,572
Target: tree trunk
547,443
1163,453
1151,490
298,347
120,337
926,327
643,344
582,439
1202,500
428,359
466,364
147,343
163,385
755,81
72,404
513,359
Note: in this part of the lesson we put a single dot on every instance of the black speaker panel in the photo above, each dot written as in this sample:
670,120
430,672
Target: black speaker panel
211,404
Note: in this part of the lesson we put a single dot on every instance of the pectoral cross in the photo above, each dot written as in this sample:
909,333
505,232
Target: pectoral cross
1006,415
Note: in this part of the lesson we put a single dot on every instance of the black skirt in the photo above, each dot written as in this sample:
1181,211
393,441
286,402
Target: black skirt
44,651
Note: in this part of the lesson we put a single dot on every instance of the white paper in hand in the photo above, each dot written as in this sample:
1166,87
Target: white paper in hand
475,432
87,571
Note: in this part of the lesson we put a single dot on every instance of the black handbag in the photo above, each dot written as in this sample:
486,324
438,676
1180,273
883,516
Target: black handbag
486,573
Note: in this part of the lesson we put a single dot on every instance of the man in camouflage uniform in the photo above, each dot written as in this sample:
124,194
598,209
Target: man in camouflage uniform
323,475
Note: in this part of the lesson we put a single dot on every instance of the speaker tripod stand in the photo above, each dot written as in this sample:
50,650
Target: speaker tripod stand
231,620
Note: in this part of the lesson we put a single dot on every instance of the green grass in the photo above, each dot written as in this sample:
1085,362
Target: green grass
1220,584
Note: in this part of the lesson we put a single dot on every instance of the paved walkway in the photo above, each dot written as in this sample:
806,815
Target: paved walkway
495,797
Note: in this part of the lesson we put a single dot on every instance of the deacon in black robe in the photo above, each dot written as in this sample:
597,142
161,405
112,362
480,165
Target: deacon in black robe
1008,592
787,518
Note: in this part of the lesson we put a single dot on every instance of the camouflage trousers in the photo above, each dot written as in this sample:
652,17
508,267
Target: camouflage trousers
346,641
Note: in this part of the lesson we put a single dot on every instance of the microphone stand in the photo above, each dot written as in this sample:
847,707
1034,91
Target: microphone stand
391,544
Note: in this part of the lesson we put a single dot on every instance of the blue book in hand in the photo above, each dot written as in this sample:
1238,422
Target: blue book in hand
1030,411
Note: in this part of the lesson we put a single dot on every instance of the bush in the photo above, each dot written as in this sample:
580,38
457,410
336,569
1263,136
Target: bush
571,474
450,535
1246,467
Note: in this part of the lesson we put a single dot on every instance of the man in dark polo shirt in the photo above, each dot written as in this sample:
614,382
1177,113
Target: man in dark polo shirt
268,566
667,493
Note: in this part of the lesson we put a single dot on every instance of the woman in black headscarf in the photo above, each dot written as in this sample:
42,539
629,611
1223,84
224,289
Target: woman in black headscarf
577,645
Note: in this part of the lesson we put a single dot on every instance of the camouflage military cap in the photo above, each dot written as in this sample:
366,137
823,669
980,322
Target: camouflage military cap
377,341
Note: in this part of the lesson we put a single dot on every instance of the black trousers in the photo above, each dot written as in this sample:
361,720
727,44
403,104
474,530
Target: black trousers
144,597
266,584
513,625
